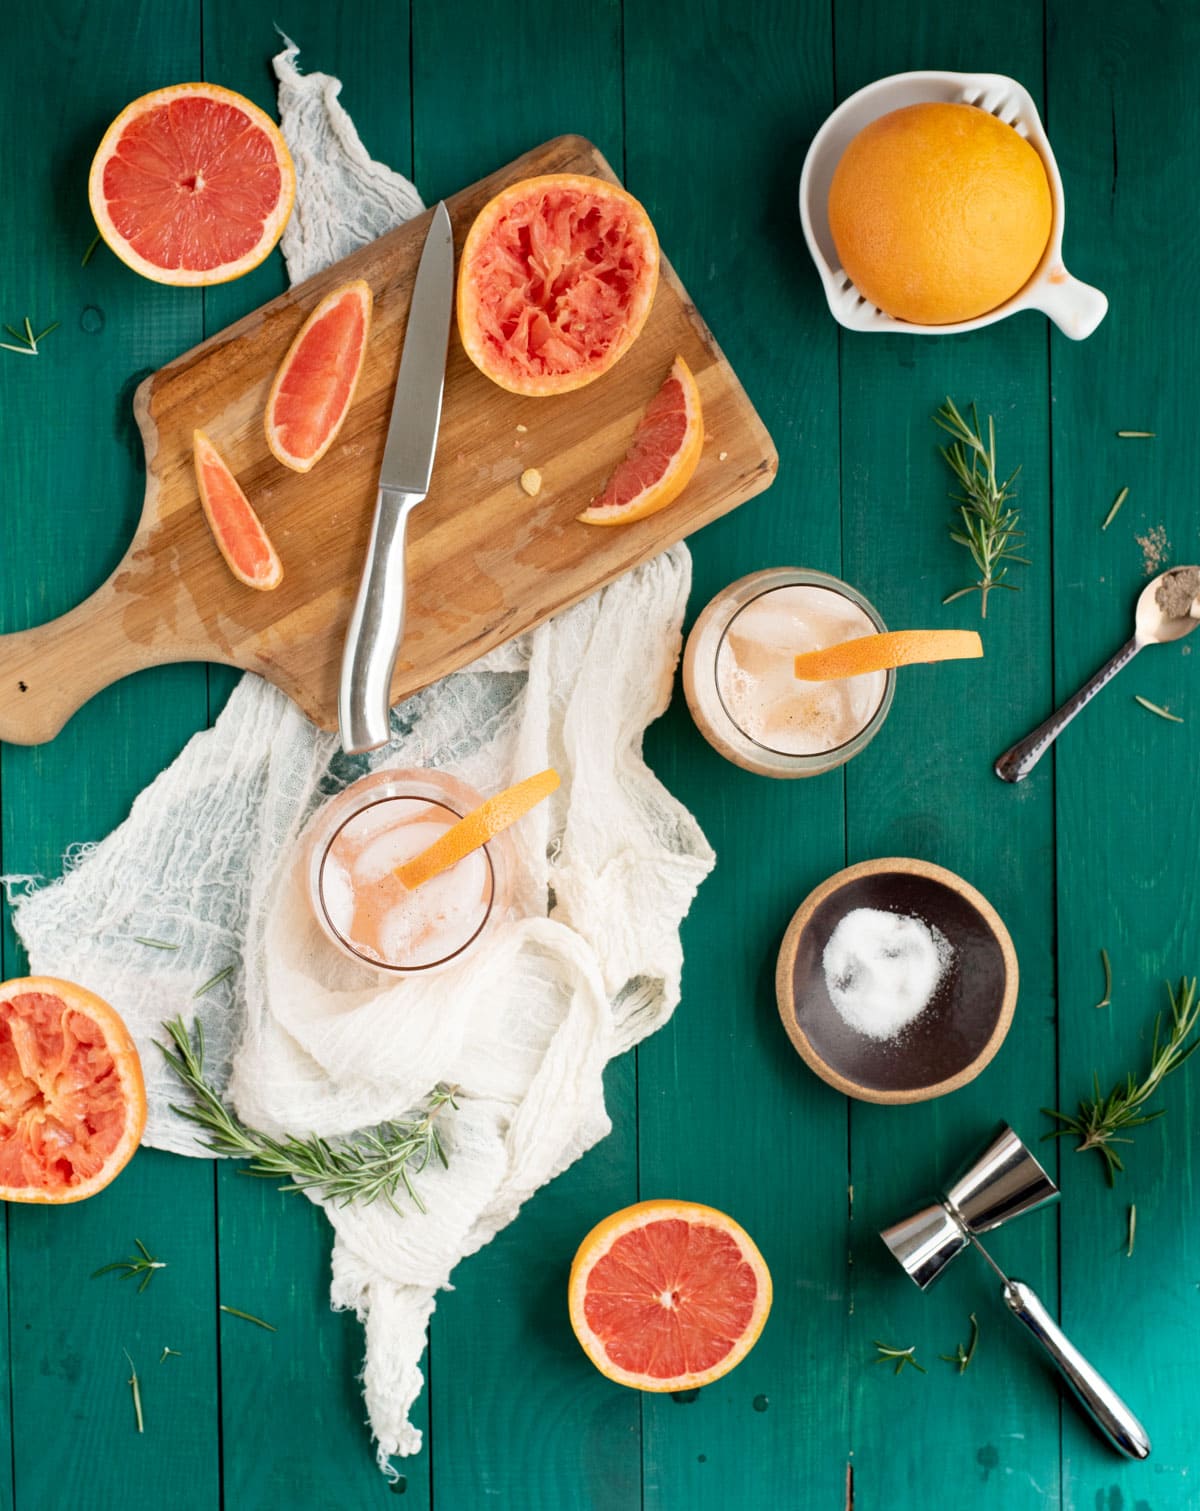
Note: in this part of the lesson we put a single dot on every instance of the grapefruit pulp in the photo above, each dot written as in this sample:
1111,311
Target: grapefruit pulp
192,185
236,528
659,464
668,1295
555,282
315,384
72,1101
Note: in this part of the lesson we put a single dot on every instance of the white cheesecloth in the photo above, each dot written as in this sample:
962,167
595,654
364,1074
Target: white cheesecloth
588,964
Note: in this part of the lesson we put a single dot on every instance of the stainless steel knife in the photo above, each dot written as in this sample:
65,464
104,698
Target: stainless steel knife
377,620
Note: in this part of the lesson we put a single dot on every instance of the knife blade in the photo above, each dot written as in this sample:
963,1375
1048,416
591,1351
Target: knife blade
377,618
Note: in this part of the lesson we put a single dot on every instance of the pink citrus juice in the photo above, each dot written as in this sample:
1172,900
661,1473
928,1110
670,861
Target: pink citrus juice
359,840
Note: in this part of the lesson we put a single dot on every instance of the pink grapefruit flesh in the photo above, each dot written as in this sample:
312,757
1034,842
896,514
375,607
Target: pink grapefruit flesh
236,528
662,458
316,381
555,282
192,185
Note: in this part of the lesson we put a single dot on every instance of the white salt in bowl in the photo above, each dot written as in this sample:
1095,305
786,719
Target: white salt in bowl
965,1022
1075,307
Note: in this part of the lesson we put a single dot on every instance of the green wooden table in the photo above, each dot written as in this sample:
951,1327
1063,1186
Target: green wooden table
708,108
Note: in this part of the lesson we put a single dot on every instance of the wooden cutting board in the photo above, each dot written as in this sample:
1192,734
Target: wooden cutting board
485,561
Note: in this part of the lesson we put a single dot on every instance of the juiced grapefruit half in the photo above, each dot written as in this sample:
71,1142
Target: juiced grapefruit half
316,381
192,185
662,458
555,282
72,1101
236,528
668,1295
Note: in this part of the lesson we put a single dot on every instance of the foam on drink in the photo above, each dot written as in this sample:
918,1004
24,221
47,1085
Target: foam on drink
759,688
375,913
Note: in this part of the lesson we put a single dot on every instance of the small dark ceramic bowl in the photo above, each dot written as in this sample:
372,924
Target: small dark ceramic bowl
964,1025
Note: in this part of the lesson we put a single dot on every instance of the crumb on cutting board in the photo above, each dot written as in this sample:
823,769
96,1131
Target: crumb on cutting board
721,455
522,428
531,481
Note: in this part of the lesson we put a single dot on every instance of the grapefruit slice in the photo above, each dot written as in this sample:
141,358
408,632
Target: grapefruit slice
556,279
659,464
192,185
876,653
236,528
477,827
315,384
668,1295
72,1100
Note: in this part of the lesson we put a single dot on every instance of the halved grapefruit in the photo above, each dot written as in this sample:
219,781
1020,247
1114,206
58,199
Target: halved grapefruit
236,528
668,1295
555,282
72,1100
315,384
192,185
662,458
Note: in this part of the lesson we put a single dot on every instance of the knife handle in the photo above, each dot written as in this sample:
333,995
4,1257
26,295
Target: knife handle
375,629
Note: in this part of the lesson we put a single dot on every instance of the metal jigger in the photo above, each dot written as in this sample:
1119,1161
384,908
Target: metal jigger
1003,1182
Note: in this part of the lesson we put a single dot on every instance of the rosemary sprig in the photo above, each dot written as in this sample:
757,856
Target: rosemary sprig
27,342
899,1356
247,1317
1106,1000
135,1387
375,1163
1132,1231
92,245
1135,435
963,1356
154,944
1102,1121
1116,508
987,523
140,1264
1163,713
222,975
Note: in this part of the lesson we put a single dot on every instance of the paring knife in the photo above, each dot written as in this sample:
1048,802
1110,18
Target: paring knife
377,620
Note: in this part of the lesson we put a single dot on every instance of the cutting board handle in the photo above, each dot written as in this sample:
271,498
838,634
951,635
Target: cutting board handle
49,672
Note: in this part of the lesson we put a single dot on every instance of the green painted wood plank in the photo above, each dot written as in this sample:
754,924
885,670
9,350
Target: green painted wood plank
274,1249
1124,125
518,1413
925,788
75,482
717,121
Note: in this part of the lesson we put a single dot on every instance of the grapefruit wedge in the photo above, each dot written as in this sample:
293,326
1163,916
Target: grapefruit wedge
72,1100
236,528
659,464
192,185
668,1295
315,384
555,282
877,653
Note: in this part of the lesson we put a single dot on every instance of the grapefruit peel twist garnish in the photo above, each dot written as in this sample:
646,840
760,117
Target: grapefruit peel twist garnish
493,815
878,653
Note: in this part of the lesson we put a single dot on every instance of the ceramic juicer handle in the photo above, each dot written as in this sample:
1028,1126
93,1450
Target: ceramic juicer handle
1075,307
1106,1407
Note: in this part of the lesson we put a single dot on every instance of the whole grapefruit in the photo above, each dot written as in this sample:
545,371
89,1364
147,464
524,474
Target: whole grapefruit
939,212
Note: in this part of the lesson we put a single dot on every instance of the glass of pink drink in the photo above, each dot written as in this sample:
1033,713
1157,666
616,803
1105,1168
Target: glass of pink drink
378,823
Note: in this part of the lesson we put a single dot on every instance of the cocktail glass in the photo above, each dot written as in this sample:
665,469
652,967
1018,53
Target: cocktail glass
740,684
354,845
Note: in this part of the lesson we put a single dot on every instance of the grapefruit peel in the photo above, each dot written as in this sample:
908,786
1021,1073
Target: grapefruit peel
72,1098
493,815
665,1308
148,174
662,456
878,653
337,348
235,526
